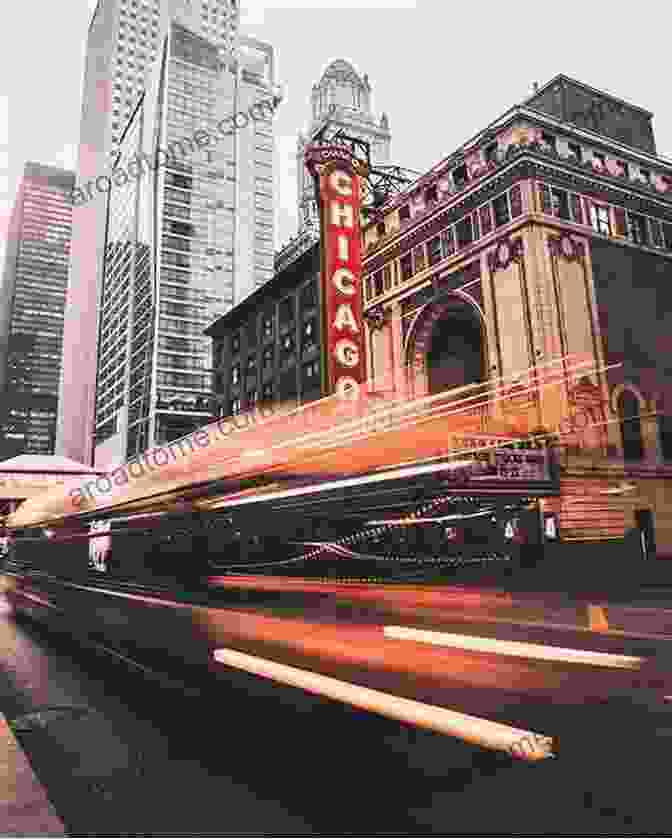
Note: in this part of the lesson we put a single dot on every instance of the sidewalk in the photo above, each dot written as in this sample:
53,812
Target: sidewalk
25,809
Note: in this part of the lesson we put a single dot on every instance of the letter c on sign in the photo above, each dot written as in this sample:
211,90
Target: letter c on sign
344,281
346,353
341,183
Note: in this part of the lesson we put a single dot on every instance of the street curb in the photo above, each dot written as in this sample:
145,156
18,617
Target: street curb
25,809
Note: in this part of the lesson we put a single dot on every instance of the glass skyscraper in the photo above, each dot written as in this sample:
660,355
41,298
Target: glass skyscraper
185,241
32,300
124,39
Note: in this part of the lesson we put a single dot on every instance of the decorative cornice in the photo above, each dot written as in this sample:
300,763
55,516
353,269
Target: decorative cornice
505,252
536,154
564,246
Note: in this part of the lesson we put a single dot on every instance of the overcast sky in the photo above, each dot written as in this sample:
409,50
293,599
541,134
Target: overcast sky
441,71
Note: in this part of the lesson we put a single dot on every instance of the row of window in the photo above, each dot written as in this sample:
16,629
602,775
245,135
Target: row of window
264,325
310,385
459,177
604,218
496,213
287,354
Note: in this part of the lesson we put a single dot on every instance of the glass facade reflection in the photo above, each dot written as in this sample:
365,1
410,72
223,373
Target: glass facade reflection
32,301
179,240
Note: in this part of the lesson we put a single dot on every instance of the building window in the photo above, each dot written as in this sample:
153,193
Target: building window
548,141
491,153
252,333
234,407
645,175
599,219
637,229
308,296
460,176
380,228
560,203
404,213
464,232
308,335
419,258
287,311
434,250
431,196
576,151
251,365
267,326
631,426
516,201
267,359
378,283
406,263
665,436
656,235
667,236
500,207
447,242
235,374
311,370
235,343
267,392
251,397
387,277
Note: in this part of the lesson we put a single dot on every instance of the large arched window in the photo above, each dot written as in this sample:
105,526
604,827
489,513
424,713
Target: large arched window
631,426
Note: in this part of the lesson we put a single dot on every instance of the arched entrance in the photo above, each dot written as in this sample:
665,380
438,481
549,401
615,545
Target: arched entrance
449,345
455,356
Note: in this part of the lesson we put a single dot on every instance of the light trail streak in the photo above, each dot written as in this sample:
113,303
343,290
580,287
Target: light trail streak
436,519
513,648
479,732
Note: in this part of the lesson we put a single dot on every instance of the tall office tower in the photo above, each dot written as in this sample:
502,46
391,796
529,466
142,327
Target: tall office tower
341,98
123,41
32,300
181,237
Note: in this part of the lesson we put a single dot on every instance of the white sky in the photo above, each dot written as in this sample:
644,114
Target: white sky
442,71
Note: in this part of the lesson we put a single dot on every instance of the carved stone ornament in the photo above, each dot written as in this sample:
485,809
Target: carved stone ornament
376,317
506,252
566,247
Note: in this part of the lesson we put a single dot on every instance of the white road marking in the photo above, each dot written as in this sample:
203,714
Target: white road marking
484,733
513,648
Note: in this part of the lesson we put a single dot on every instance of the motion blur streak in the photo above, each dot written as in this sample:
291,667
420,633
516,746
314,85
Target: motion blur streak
515,648
456,597
484,733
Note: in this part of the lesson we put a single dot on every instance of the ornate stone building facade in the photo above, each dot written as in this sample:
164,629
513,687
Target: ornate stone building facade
545,239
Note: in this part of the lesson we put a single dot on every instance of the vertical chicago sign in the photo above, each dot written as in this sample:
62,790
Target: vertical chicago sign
337,176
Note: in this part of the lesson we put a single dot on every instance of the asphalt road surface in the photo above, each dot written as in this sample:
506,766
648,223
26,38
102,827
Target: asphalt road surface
122,752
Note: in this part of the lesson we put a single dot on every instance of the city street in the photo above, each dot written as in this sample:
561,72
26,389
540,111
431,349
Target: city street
215,750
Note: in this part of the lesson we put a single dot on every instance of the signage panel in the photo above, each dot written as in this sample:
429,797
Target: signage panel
344,362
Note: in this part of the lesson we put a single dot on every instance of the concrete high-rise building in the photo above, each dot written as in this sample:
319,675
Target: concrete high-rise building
32,300
130,50
341,98
124,39
185,241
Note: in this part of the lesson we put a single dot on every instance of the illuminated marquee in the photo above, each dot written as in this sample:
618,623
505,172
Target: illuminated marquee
339,193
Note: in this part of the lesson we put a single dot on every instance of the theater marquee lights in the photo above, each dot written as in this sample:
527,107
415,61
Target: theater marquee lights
337,177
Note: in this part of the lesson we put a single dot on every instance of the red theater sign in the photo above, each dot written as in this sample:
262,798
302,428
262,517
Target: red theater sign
339,194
